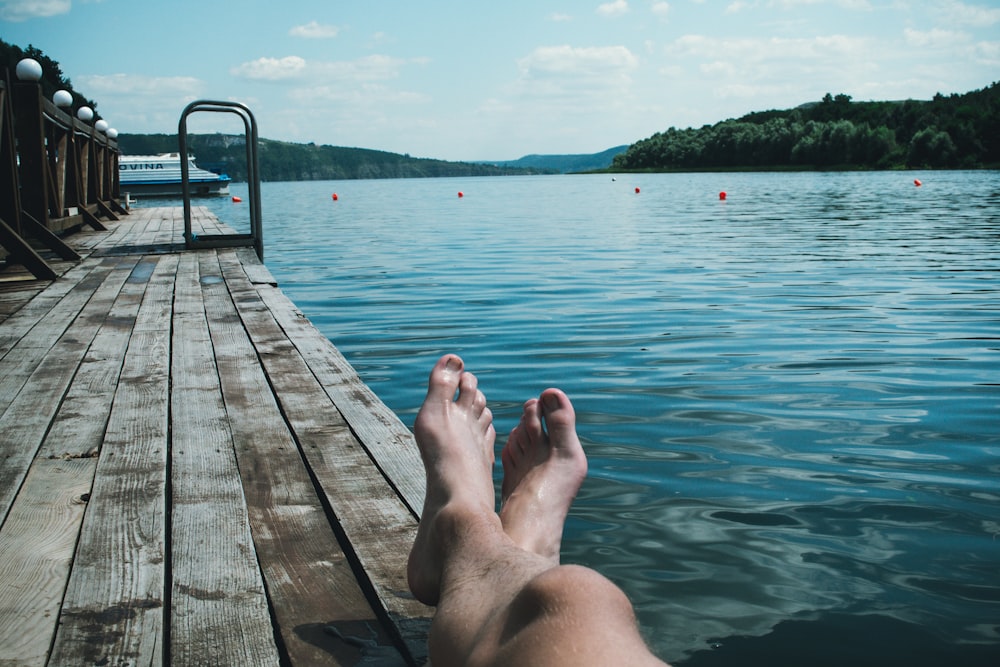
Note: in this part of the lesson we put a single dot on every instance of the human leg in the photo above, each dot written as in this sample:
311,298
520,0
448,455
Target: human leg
501,595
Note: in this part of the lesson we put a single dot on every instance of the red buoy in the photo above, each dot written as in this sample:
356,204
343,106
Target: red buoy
461,194
236,200
916,182
722,196
334,196
637,190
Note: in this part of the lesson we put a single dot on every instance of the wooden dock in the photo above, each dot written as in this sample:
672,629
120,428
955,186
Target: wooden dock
190,473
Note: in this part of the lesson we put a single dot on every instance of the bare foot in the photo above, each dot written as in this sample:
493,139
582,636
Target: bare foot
455,436
544,466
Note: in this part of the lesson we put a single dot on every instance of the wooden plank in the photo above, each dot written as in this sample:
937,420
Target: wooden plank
16,292
314,594
59,302
219,611
388,441
79,426
113,609
28,414
87,239
36,549
378,524
39,537
256,272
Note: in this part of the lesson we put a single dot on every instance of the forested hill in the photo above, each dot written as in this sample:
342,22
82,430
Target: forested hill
283,161
957,131
567,164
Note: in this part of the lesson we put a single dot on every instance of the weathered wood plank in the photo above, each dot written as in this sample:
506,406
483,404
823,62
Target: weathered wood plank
14,294
313,590
51,364
39,537
218,611
36,548
378,524
256,272
124,233
388,441
113,609
57,304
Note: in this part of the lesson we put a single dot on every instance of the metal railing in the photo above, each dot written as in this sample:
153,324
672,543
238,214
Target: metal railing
255,238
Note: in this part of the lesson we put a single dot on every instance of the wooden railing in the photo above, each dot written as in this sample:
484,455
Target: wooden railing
57,173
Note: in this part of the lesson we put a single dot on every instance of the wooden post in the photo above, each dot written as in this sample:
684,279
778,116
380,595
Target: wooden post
11,227
28,126
58,142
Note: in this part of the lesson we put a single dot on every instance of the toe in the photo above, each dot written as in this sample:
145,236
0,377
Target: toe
468,391
531,422
445,378
557,410
479,403
514,449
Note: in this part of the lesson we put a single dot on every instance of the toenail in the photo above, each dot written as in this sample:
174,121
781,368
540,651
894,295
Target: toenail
551,401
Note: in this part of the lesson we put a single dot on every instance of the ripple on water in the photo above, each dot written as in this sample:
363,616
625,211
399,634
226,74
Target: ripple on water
788,399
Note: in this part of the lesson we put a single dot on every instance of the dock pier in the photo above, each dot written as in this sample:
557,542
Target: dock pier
190,472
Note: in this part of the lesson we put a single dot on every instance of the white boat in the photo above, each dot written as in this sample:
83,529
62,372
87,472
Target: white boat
161,175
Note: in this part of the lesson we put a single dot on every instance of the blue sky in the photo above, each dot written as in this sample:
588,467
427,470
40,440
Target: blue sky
498,80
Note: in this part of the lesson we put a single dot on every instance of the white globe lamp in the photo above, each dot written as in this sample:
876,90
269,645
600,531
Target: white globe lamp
63,99
28,70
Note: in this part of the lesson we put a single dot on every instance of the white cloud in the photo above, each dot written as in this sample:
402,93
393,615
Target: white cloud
960,13
560,18
661,9
789,50
574,78
22,10
615,8
356,84
99,85
366,95
368,68
775,71
935,38
736,7
314,30
135,103
584,61
987,53
271,69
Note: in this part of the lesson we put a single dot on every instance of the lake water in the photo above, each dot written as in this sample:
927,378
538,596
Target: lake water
790,399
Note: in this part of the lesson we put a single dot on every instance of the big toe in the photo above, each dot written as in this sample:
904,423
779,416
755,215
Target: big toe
557,410
445,378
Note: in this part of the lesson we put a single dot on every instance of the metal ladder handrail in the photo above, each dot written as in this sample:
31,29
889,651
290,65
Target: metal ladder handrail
255,237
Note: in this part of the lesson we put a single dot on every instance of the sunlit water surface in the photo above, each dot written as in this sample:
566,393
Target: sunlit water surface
789,398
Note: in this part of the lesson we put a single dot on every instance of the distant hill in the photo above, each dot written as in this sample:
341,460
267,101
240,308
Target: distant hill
565,164
285,161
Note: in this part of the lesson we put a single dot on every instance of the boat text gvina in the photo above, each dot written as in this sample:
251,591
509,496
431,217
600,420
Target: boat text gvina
161,175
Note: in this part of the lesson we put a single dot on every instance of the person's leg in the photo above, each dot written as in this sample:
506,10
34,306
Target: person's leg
501,596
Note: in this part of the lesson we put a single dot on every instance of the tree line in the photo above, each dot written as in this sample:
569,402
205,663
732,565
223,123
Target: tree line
958,131
285,161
